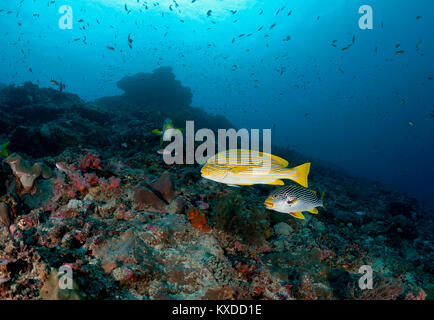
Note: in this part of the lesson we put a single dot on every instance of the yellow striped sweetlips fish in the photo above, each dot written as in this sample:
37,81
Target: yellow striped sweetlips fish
237,167
294,200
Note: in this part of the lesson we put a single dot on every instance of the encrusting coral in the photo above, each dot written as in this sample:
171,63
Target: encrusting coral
26,174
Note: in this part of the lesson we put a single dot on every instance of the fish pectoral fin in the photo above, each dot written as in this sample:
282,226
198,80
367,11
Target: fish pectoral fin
314,211
297,215
157,132
239,169
276,183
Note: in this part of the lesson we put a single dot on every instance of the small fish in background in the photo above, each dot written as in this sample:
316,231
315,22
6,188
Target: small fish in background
4,150
237,167
54,82
63,168
165,135
294,200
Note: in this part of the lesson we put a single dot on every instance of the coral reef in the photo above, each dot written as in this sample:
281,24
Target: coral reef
132,227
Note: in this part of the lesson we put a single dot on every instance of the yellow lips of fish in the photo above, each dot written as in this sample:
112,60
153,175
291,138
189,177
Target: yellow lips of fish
269,203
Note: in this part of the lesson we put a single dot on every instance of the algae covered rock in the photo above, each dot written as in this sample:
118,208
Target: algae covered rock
233,217
283,229
5,215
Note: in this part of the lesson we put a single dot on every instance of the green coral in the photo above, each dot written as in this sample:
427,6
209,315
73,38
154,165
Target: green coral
4,150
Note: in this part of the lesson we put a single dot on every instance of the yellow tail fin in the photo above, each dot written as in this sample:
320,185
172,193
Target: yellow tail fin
302,173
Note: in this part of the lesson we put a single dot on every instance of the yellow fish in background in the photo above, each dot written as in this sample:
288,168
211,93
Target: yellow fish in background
249,167
165,134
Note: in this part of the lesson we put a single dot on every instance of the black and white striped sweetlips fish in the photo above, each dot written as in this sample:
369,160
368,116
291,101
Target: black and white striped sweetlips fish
294,200
238,167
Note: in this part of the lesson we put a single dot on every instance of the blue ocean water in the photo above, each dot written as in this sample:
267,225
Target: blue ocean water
368,109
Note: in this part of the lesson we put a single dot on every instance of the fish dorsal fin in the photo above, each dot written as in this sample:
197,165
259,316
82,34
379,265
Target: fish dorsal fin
244,153
276,183
314,211
280,160
297,215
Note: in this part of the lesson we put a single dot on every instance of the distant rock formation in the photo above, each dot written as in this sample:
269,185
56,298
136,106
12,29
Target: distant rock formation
159,95
157,89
